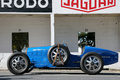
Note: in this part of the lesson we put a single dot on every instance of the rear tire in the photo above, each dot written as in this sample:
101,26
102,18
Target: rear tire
18,63
91,63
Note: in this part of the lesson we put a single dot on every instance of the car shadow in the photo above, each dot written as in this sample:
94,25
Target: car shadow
40,73
69,73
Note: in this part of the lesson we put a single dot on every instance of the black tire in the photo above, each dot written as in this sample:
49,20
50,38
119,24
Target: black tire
91,63
18,63
59,63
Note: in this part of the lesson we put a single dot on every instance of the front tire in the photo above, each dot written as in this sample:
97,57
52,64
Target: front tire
91,63
18,63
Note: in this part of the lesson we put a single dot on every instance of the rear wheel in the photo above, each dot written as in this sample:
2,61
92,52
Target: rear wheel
91,63
18,63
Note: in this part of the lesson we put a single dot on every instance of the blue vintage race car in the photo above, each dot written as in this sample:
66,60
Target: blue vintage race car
91,61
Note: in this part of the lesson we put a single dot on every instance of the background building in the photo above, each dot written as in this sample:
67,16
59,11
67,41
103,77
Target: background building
54,22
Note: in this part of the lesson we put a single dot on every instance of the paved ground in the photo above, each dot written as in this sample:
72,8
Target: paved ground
60,75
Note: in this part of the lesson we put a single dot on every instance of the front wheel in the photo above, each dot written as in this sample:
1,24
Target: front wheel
91,63
18,63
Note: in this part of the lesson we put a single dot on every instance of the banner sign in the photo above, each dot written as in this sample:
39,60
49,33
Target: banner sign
86,6
25,5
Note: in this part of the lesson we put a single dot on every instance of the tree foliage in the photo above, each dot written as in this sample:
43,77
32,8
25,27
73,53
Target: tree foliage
19,40
86,39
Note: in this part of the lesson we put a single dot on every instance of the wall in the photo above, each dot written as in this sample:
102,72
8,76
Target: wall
3,60
105,28
38,27
119,33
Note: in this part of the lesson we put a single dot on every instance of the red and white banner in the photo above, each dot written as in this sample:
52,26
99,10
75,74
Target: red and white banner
86,6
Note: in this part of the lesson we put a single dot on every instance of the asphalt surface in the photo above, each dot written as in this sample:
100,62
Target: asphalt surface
60,75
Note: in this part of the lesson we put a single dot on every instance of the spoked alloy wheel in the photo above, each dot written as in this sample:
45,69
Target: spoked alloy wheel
18,63
91,63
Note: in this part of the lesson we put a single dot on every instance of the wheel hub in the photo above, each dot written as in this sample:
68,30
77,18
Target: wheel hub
18,63
91,63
